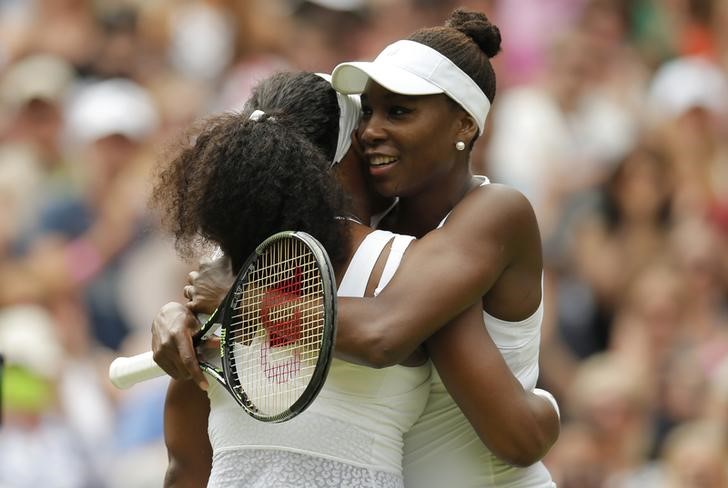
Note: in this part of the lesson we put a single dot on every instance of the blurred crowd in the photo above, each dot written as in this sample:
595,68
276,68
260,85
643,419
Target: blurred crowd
611,116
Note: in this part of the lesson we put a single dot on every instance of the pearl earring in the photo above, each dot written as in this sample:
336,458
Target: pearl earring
460,146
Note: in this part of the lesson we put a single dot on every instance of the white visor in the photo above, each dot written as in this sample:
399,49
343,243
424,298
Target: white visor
349,114
411,68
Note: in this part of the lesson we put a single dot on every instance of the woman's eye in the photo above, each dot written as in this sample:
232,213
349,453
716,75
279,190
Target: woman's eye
399,111
366,112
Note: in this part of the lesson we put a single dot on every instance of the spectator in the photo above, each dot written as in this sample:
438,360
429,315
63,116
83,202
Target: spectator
33,423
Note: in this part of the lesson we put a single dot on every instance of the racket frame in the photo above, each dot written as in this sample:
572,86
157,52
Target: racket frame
328,282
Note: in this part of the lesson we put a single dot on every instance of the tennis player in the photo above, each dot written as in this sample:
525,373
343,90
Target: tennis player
424,103
183,460
266,177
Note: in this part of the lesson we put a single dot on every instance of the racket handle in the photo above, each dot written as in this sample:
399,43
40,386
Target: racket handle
128,371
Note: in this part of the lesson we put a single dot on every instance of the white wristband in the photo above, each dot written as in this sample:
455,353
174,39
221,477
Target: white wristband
548,396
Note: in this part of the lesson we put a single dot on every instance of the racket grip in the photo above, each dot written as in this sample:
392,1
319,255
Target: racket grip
128,371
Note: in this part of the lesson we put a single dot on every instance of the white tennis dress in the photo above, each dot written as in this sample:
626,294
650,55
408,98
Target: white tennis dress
352,434
443,450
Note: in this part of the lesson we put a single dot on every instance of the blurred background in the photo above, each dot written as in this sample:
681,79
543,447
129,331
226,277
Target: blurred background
611,116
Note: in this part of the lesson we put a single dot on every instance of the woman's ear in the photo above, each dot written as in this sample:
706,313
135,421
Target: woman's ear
467,128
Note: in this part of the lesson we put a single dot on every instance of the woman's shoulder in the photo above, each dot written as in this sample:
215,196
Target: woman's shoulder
494,204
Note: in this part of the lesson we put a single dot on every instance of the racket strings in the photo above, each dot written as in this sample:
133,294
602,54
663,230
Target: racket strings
308,302
310,289
277,328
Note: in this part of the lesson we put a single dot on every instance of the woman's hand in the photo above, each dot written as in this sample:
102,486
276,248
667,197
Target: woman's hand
172,332
176,324
207,287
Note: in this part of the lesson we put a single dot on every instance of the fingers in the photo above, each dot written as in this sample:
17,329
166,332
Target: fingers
189,292
168,356
189,289
198,305
172,343
165,336
207,286
190,363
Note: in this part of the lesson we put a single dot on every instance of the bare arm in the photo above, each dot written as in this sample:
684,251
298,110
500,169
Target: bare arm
444,273
185,433
518,426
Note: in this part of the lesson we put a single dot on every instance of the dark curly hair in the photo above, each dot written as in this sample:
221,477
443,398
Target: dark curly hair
235,181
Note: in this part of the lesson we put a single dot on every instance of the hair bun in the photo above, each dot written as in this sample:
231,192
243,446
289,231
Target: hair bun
476,26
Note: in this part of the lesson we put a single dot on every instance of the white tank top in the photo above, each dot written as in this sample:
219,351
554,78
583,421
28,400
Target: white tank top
443,450
352,434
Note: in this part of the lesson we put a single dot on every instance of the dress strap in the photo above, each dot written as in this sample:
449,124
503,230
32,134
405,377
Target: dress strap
355,280
483,181
399,246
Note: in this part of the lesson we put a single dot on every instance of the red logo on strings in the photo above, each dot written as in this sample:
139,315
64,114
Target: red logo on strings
283,331
287,330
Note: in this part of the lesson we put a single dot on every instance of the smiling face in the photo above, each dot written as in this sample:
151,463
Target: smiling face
409,141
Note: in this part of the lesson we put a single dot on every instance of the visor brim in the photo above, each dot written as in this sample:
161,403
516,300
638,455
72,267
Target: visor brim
352,78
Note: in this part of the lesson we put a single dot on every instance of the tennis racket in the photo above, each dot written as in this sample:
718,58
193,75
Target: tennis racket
276,326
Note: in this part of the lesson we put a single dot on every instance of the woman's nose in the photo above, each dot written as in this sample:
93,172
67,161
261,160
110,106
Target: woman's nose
371,131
